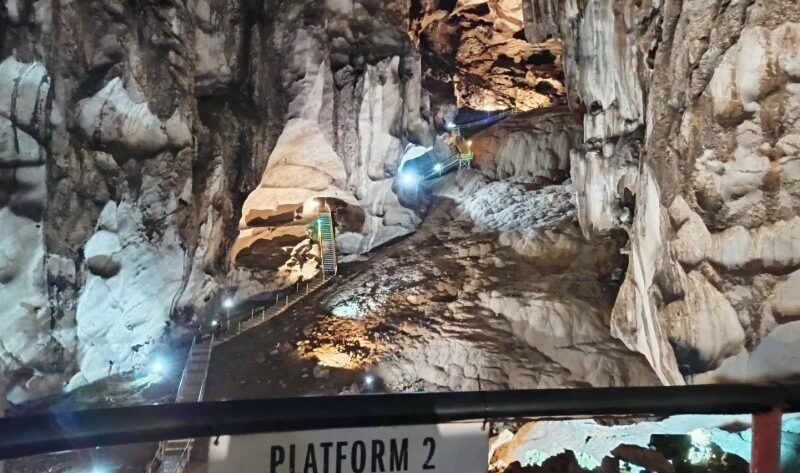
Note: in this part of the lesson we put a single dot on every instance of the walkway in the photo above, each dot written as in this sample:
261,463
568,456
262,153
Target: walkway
175,454
455,161
241,323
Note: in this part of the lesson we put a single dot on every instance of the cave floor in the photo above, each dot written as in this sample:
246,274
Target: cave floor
455,306
447,308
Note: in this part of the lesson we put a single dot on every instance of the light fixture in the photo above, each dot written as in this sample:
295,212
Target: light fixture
311,206
469,142
438,167
214,323
227,303
449,125
700,437
408,179
700,452
369,379
99,469
157,368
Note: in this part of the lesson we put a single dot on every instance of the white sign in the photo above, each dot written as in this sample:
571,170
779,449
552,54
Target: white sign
445,448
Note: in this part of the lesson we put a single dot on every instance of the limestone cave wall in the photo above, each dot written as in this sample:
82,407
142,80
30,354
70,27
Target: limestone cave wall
691,118
132,135
171,147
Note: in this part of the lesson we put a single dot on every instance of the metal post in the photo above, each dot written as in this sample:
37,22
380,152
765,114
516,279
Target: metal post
276,298
287,301
766,446
263,312
239,330
252,312
308,285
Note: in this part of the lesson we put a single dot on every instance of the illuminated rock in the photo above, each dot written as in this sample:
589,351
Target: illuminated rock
476,50
527,146
305,167
110,117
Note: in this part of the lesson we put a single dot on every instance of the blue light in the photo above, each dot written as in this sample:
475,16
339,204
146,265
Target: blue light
408,179
438,168
158,367
449,125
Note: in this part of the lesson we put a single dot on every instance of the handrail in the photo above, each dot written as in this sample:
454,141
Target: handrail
323,243
486,121
151,464
43,433
248,314
244,316
456,159
189,442
185,368
184,455
205,372
333,244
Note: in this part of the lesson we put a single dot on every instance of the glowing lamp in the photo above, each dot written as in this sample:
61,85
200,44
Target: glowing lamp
700,437
469,143
311,206
157,368
701,446
438,167
369,379
227,303
408,179
449,125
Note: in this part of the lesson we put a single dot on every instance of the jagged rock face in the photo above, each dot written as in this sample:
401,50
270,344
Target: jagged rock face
27,351
130,138
475,50
529,146
314,162
497,289
615,447
708,164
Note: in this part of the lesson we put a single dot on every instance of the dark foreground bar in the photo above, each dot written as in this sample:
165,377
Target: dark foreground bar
30,435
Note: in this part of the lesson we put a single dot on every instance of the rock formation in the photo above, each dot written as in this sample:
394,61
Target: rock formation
475,50
525,147
180,149
306,170
135,139
690,114
632,218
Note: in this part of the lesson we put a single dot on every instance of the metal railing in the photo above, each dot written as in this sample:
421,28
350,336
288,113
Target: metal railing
232,323
52,432
460,160
184,456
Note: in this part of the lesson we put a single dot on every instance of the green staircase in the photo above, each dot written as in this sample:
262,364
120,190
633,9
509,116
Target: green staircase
327,242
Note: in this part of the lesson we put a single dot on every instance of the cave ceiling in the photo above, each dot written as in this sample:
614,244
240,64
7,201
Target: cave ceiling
476,51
